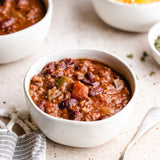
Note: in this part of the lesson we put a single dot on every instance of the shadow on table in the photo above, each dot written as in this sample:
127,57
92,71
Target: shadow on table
88,16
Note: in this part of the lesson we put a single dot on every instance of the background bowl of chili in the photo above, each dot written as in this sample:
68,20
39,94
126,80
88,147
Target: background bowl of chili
81,133
27,40
132,17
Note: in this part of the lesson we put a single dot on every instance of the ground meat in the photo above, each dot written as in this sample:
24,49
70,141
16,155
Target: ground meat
16,15
79,89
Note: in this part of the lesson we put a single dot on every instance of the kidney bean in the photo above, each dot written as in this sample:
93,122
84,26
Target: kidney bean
95,84
50,65
76,115
82,68
87,81
95,91
6,23
66,63
90,76
50,85
72,101
41,104
48,71
69,62
68,102
62,65
49,68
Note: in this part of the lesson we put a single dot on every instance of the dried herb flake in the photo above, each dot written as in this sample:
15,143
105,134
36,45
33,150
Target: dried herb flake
157,43
142,59
145,54
130,56
152,73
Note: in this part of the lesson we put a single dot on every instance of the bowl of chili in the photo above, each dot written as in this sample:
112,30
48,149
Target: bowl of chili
24,25
80,98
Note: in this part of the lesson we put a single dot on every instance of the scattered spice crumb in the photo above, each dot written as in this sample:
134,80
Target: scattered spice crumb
55,155
157,128
152,73
130,56
4,102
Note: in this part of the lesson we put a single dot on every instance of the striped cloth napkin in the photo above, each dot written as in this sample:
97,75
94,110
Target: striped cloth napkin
30,146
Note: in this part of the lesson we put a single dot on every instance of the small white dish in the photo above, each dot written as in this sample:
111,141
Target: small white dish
152,36
128,17
25,42
81,133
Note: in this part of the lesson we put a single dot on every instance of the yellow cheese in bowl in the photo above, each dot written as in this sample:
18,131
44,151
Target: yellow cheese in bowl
138,1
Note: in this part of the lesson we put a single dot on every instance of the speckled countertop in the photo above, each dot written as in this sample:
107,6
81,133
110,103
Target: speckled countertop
76,25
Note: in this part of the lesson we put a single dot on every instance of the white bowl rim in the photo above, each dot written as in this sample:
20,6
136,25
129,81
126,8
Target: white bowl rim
88,123
153,28
133,5
49,9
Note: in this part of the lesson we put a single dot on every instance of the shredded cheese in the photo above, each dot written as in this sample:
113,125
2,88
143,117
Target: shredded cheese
138,1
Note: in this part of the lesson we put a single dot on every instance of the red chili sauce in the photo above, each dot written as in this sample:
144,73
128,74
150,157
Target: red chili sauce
16,15
79,89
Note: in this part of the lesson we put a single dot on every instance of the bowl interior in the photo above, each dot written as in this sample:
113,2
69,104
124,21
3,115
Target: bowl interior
48,5
113,61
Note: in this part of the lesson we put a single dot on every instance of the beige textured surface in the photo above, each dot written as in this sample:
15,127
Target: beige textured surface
76,25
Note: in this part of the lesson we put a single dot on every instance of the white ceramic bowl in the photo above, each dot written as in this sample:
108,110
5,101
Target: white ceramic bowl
20,44
152,36
80,133
128,17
